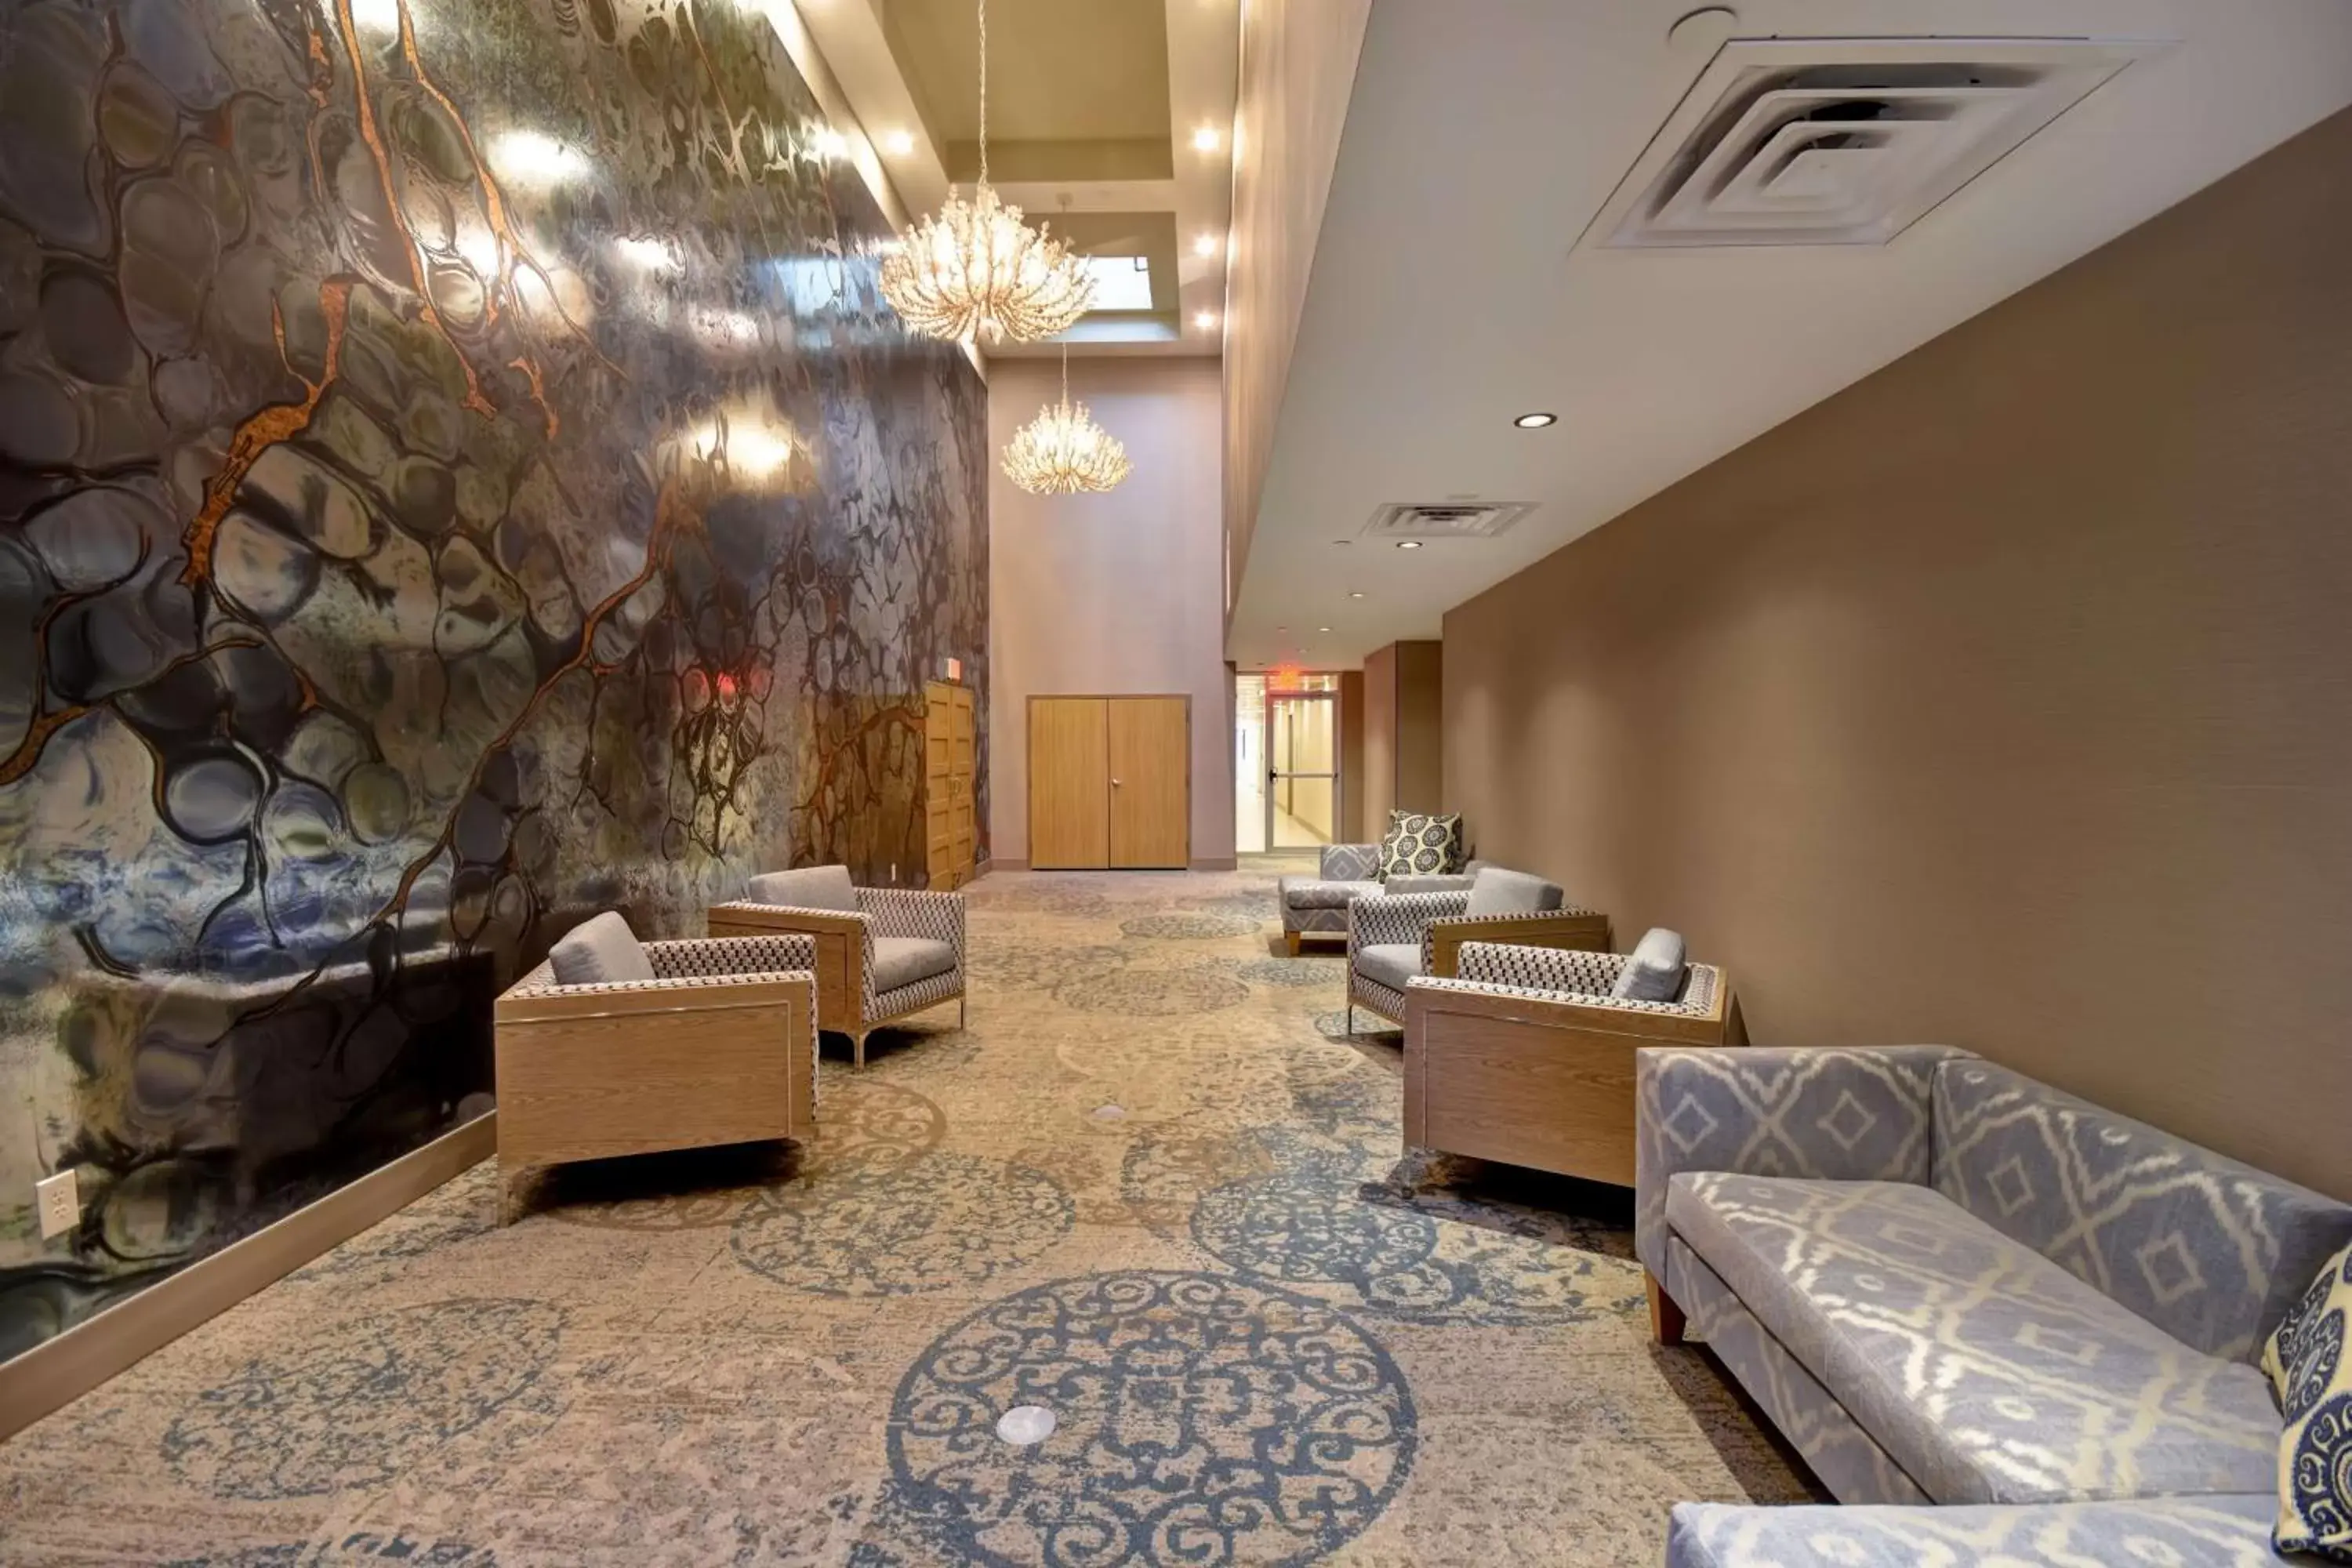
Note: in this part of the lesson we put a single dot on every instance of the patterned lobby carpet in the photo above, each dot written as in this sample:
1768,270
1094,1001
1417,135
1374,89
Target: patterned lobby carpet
1149,1189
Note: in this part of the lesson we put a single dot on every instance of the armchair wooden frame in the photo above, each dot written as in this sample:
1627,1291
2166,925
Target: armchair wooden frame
1582,931
1545,1081
586,1072
840,965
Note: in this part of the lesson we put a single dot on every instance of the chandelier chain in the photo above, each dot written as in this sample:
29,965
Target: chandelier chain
974,271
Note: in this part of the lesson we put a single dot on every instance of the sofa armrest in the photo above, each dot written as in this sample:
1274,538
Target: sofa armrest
1442,941
1383,919
626,1067
845,949
768,952
916,912
1542,1079
1830,1113
1350,863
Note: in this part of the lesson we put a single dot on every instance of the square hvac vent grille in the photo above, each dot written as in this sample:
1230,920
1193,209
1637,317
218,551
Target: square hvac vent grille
1445,520
1843,142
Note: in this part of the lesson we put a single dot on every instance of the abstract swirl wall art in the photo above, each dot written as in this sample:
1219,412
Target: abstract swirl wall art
457,473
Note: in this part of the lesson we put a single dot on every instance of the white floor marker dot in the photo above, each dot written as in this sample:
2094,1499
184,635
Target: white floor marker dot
1110,1113
1025,1425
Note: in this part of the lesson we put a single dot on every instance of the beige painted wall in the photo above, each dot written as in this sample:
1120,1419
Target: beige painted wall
2000,699
1117,592
1298,70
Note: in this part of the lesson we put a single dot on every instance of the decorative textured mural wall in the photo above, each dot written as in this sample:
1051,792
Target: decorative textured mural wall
457,473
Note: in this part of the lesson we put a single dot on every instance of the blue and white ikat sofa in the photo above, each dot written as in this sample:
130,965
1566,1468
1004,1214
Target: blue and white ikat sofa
1950,1285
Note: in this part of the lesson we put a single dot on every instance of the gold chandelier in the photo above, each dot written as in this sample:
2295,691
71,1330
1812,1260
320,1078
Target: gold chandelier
1063,451
974,267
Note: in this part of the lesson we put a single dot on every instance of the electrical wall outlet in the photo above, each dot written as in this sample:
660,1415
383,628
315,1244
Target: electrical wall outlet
59,1198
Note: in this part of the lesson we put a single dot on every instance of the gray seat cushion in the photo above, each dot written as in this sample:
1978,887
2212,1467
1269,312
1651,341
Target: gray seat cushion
1314,893
2209,1532
1390,962
598,951
903,960
1405,887
1495,891
1655,971
809,888
1989,1373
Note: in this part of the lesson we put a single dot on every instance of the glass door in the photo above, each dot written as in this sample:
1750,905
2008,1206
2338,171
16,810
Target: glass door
1302,751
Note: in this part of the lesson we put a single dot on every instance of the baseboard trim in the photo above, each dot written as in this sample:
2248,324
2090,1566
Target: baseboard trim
1217,863
59,1371
1004,863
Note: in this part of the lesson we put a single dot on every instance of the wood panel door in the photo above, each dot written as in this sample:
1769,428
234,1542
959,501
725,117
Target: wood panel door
950,743
1150,748
1069,783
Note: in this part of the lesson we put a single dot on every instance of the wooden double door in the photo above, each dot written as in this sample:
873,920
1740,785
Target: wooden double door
1110,783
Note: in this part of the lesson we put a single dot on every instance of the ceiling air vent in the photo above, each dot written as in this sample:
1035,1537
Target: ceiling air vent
1446,520
1843,142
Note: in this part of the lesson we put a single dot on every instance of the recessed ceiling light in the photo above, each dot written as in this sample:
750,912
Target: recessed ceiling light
1322,628
1536,421
1206,245
1408,545
1206,319
1205,139
1343,541
898,143
1354,596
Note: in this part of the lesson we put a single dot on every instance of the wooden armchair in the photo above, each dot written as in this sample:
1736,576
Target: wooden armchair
718,1047
882,953
1393,938
1527,1059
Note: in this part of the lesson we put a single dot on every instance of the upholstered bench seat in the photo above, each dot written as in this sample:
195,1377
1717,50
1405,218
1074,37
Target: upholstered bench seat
1314,893
2207,1531
1987,1373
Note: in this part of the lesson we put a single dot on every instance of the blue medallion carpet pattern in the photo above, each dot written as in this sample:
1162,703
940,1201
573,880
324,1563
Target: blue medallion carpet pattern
1152,1187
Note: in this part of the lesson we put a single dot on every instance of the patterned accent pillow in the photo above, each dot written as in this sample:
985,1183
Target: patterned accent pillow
1421,843
2307,1364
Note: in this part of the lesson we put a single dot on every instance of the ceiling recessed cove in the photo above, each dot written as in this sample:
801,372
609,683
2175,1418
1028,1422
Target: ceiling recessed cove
1844,140
1445,520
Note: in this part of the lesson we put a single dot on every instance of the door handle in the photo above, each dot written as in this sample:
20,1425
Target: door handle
1114,784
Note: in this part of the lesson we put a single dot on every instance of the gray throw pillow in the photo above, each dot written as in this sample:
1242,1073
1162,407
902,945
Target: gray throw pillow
809,888
1655,971
1495,891
598,951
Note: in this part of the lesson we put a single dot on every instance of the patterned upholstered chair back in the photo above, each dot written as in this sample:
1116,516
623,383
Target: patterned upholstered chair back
2211,1251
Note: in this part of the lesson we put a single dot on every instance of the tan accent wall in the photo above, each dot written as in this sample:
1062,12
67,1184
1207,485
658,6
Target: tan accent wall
1404,734
2000,699
1379,738
1111,593
1351,756
1297,69
1420,727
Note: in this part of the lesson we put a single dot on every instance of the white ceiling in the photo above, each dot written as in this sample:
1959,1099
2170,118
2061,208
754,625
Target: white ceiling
1447,294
